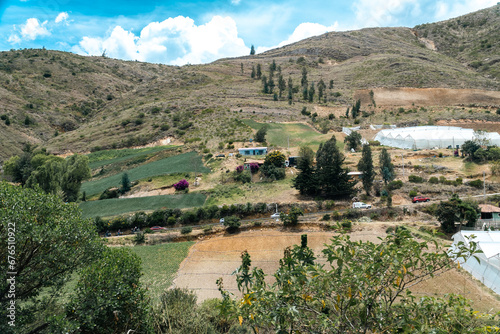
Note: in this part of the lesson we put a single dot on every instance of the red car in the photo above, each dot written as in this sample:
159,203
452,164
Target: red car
156,228
420,199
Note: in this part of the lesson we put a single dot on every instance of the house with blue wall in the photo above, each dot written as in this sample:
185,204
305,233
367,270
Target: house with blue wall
253,151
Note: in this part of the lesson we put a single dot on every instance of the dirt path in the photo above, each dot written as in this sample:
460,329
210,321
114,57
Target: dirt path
218,257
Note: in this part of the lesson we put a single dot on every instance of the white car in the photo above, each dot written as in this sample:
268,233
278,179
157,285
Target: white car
275,215
361,205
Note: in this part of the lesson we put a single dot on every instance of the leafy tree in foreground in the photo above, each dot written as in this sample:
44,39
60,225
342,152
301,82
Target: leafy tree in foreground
456,210
109,297
51,242
386,166
365,165
364,288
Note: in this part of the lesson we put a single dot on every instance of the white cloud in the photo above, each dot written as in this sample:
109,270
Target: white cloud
235,2
62,17
175,41
303,31
14,39
33,28
449,9
382,13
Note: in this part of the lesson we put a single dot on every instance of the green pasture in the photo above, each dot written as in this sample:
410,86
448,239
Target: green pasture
299,134
160,264
182,163
118,206
106,157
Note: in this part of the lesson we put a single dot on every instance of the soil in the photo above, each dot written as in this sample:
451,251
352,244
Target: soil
219,256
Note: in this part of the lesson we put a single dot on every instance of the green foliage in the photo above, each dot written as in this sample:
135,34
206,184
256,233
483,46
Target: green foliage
305,181
415,179
109,297
186,230
243,177
456,210
260,136
476,183
365,165
52,241
353,140
361,288
292,218
139,238
433,180
333,180
386,166
412,193
125,183
232,223
393,185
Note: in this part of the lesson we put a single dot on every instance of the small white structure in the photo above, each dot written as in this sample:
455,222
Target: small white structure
487,270
426,137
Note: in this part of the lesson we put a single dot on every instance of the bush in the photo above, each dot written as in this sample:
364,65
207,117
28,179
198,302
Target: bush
110,193
232,223
326,217
139,238
415,178
346,224
433,180
412,193
186,230
171,221
476,183
243,177
181,185
396,184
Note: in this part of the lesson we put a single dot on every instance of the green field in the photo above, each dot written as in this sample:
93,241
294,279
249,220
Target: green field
160,263
118,206
182,163
102,158
295,134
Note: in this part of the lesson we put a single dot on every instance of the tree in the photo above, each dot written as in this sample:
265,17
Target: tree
290,90
353,140
455,210
260,136
311,92
303,81
333,180
365,165
259,71
386,166
364,288
281,85
252,50
252,74
51,241
321,88
305,181
125,183
275,158
109,296
232,223
469,147
274,164
76,170
292,218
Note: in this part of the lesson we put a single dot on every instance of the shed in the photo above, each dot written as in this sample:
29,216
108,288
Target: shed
490,215
487,270
253,151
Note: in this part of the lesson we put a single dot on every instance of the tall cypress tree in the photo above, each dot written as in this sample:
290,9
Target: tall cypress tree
332,177
365,165
306,182
386,166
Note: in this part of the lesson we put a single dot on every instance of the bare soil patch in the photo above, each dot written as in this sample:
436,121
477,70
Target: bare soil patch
402,97
219,256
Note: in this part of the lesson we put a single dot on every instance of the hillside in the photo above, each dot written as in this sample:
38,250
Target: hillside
70,103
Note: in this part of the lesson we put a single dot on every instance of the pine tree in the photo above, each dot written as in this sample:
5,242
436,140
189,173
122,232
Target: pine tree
125,183
306,182
259,71
265,86
386,166
365,165
281,85
290,90
311,92
332,177
252,75
252,50
321,88
303,81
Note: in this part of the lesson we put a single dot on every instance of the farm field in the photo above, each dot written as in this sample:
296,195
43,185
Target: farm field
220,256
182,163
160,264
102,158
117,206
300,134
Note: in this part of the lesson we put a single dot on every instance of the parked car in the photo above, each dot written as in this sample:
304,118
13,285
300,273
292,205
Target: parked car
275,215
420,199
361,205
220,155
156,228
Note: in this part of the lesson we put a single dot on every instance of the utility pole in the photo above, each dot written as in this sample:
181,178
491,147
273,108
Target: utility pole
403,160
484,186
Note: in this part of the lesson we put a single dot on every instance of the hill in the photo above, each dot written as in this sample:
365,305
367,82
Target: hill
70,103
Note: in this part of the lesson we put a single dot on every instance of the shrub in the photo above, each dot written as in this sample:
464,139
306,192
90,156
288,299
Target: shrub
412,193
110,193
186,230
239,169
243,177
188,217
171,221
254,167
232,223
346,224
326,217
415,178
476,183
433,180
139,238
181,185
396,184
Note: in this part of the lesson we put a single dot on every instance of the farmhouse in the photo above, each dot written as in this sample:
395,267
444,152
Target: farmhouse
487,269
490,215
253,151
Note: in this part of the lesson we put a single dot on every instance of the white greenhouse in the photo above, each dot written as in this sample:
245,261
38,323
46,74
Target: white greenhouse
427,137
487,270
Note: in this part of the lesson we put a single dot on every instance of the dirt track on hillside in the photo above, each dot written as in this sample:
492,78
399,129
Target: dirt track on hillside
218,257
401,97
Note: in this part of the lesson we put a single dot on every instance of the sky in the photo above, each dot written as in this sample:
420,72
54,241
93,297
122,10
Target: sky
177,32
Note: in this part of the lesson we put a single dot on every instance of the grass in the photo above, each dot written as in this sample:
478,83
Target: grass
291,134
117,206
185,162
102,158
160,264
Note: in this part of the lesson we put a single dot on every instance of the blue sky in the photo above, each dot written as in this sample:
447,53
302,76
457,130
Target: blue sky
181,32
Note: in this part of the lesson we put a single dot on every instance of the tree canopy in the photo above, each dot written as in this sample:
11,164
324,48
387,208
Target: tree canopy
386,166
456,210
365,165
